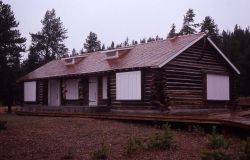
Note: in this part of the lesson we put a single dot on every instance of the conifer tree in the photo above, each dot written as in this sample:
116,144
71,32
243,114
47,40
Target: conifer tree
208,25
112,46
143,40
172,32
150,39
49,42
134,42
74,53
103,47
11,44
126,43
188,26
92,43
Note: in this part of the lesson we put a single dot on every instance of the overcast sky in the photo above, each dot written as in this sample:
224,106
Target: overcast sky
117,19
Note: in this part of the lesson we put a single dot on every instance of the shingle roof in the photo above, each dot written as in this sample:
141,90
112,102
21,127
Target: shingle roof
151,54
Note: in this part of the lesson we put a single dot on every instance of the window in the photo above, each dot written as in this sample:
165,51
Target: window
30,91
128,85
217,87
72,89
104,87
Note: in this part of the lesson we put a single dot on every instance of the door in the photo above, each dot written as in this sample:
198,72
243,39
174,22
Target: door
93,91
54,92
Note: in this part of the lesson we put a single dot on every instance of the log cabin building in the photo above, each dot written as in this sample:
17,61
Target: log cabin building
184,72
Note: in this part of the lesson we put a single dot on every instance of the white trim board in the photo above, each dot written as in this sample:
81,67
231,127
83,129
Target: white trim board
182,50
221,53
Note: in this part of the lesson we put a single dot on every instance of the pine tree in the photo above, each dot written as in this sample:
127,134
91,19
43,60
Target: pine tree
126,43
81,51
208,25
150,39
188,26
92,43
32,62
11,44
103,47
172,32
236,46
49,42
143,40
118,45
157,38
134,42
112,45
73,52
210,28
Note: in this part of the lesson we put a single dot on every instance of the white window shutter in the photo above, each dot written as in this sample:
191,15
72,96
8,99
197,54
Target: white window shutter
72,89
128,85
104,87
217,87
30,91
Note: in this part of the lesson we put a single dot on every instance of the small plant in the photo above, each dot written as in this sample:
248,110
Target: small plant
216,141
101,153
215,155
133,145
198,129
245,150
70,154
162,141
3,124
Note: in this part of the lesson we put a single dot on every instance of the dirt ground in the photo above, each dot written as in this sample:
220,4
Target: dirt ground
52,138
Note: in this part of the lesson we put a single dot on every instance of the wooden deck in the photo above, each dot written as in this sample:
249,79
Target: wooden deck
239,119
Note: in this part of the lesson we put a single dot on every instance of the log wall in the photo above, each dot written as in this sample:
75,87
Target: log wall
185,77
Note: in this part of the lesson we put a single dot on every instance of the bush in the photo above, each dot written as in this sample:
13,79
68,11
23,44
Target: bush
133,145
245,150
3,125
215,155
101,153
216,141
198,129
70,154
162,141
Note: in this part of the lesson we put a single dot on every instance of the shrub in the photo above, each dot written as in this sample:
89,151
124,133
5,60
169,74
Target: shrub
218,145
3,125
216,141
70,154
245,150
101,153
198,129
215,155
162,141
133,145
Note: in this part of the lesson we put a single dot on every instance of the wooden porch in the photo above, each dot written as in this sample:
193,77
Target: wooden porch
237,119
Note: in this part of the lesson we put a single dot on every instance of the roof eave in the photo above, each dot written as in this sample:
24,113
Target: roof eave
182,50
223,55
